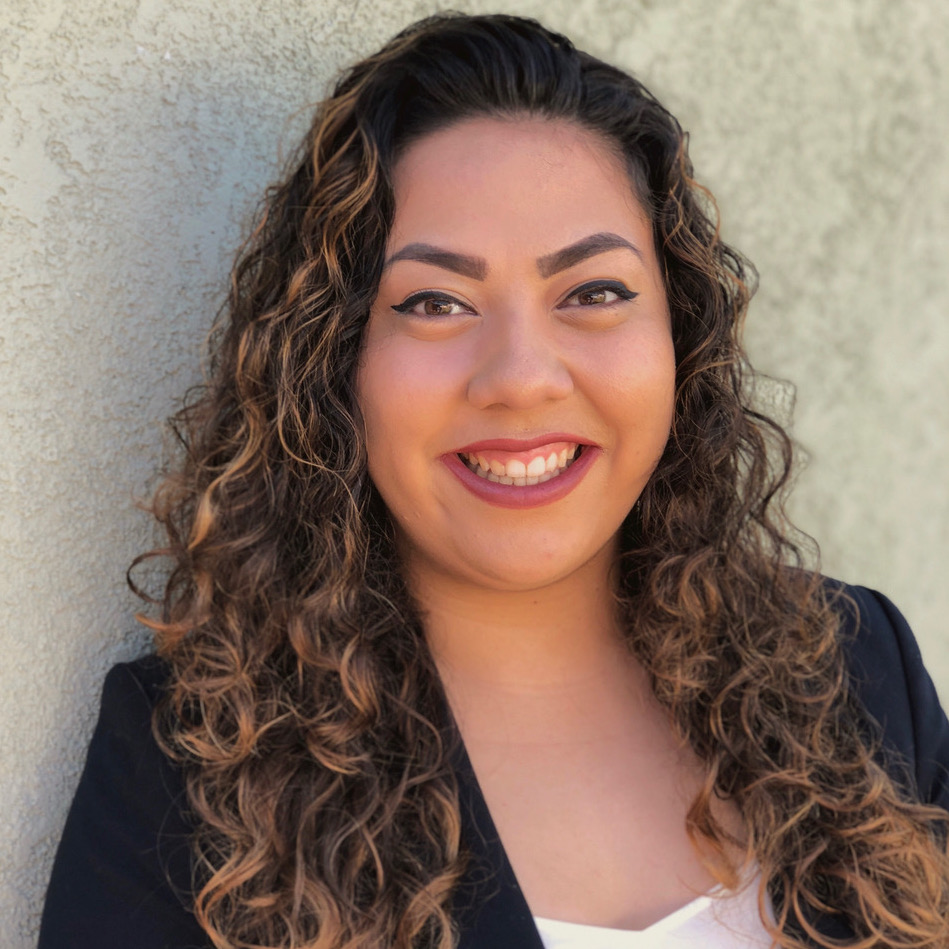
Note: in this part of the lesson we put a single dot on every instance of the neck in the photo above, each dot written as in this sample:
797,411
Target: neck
510,643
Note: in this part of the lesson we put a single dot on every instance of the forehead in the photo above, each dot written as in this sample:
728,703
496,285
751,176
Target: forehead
511,178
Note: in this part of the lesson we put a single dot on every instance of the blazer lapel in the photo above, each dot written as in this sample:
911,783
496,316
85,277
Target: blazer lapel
488,904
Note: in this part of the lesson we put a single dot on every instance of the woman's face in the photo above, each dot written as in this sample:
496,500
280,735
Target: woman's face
517,375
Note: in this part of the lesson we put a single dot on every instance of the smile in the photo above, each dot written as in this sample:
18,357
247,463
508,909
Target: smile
536,468
523,473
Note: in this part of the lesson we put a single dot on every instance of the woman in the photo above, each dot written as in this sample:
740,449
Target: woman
484,628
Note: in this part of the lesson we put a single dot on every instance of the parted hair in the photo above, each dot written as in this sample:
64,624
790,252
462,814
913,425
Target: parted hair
304,708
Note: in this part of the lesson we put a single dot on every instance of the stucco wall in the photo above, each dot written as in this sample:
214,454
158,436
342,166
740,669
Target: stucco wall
136,134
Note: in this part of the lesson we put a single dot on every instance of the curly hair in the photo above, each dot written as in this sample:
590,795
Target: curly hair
304,707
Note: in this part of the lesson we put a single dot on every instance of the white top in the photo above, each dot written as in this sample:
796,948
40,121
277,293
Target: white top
711,921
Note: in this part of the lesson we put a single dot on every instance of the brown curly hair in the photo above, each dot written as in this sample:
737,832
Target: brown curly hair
304,707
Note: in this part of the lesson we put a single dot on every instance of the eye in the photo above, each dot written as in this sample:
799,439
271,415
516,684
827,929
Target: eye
427,303
600,293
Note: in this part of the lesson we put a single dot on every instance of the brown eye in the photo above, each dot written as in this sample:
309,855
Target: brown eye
600,293
428,303
591,297
433,307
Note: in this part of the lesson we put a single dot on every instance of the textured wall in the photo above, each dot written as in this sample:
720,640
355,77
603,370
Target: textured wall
135,137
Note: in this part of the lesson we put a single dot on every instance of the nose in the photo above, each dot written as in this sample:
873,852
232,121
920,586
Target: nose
521,365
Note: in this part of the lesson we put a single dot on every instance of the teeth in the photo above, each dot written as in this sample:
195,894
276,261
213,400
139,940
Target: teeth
515,472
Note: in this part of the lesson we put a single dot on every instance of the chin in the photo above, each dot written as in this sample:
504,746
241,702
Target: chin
523,571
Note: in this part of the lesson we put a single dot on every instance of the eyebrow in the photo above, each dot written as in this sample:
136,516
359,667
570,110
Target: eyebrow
474,267
477,267
581,250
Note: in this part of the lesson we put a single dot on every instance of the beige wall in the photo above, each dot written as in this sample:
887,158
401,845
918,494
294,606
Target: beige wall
136,134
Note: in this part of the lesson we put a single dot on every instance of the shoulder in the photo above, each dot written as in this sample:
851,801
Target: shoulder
891,684
123,869
123,743
139,684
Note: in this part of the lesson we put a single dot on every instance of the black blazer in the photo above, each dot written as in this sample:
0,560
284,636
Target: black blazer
122,874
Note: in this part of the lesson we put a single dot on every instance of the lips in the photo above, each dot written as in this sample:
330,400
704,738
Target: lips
518,473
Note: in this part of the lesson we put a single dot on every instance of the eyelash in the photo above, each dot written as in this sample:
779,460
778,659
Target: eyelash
609,286
423,296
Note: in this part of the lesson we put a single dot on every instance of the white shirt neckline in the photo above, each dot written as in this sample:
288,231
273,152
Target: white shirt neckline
712,920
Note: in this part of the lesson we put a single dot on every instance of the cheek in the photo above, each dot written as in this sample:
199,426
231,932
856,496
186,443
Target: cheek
643,394
386,407
403,392
377,389
639,378
403,383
